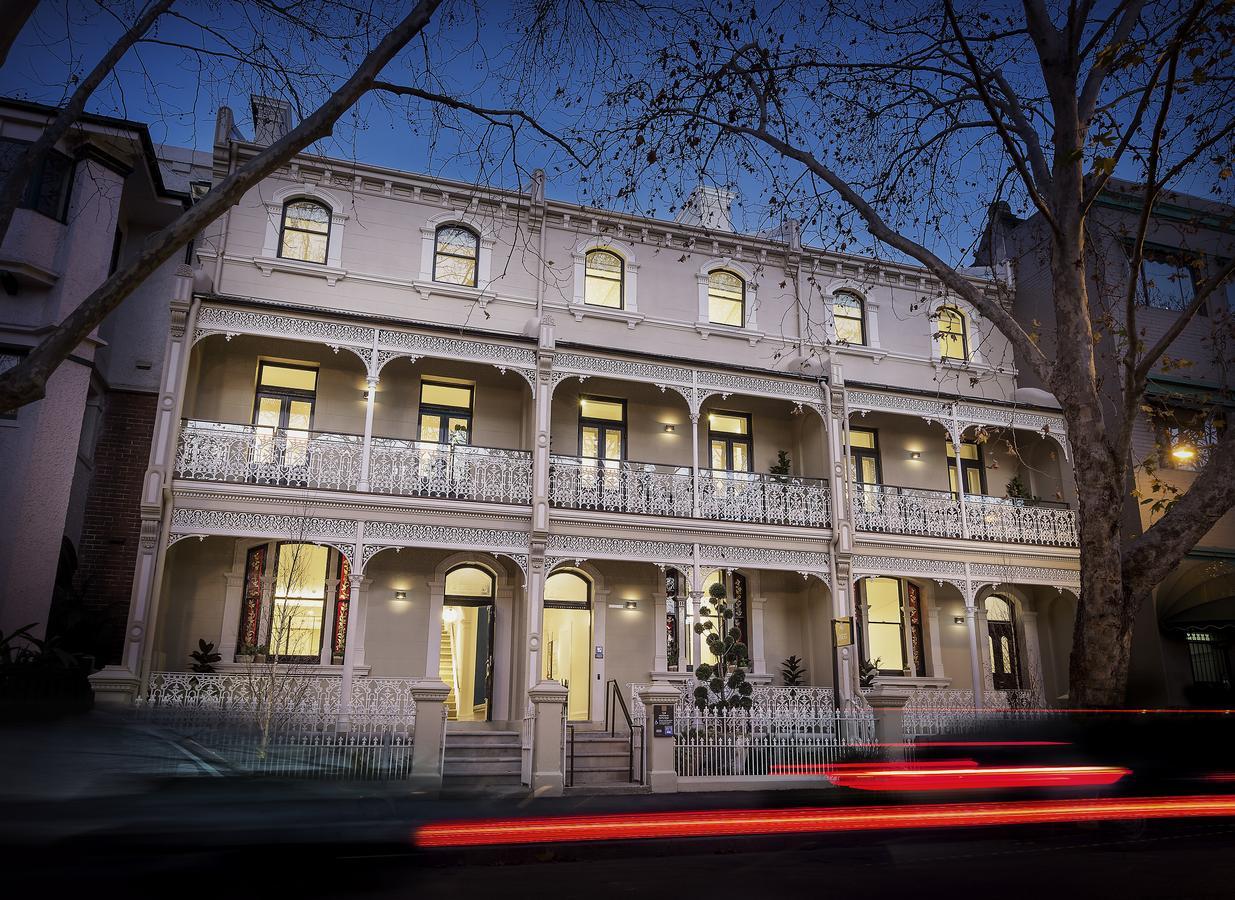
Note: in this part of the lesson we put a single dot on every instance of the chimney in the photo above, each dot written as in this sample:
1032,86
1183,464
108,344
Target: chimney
272,118
708,207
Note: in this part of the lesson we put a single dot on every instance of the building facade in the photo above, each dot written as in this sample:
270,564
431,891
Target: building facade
1181,654
74,461
411,430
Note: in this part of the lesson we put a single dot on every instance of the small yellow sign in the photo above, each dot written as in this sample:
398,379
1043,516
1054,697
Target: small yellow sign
842,632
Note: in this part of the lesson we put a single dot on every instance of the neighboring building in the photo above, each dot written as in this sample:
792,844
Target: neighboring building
1182,642
416,429
73,462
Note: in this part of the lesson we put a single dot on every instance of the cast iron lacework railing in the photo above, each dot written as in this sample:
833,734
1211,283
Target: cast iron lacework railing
453,471
933,712
252,454
619,486
754,497
900,510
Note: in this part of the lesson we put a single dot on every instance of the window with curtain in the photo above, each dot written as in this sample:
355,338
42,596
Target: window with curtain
455,253
604,277
885,628
305,231
953,334
849,314
299,602
726,299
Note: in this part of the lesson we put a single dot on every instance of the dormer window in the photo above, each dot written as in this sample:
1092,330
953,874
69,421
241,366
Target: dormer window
726,299
604,279
455,251
305,231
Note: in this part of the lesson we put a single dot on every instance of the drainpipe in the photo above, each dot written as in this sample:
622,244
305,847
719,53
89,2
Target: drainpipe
227,222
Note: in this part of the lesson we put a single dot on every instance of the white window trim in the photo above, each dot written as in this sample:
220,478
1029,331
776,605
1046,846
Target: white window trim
750,328
973,332
630,293
484,254
870,310
270,258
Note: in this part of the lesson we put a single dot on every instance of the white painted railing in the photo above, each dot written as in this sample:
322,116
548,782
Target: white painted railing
900,510
251,454
452,471
619,486
935,712
755,497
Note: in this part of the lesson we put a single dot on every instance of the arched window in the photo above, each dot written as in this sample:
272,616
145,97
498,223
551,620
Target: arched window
604,279
849,313
465,660
726,299
953,334
455,251
567,639
1001,633
305,231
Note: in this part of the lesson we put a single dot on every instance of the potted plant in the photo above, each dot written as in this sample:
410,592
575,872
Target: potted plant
868,671
245,653
780,469
204,657
259,653
792,673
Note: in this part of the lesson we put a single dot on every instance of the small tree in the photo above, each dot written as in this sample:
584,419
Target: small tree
791,672
723,685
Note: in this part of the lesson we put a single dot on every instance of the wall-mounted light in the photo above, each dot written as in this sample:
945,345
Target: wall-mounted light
364,393
670,429
632,604
914,454
400,595
959,620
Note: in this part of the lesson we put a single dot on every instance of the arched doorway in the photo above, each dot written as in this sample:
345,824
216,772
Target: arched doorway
466,660
1001,633
567,639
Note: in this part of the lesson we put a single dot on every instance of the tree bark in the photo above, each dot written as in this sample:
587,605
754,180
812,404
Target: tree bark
14,19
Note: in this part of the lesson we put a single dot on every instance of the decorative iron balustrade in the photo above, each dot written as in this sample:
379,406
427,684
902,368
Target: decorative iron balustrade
933,712
900,510
255,454
452,471
619,486
755,497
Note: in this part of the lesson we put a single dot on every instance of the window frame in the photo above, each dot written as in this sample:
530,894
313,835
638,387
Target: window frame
621,279
856,453
475,258
325,622
585,421
570,604
285,394
730,439
741,300
960,465
1219,656
944,337
283,229
910,631
445,413
860,318
1175,256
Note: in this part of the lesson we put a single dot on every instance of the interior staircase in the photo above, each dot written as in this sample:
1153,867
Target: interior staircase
445,671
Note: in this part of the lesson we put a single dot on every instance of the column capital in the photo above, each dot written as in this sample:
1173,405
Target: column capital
430,690
548,692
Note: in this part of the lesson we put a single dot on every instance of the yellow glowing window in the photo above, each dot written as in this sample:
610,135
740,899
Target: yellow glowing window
885,630
849,315
599,408
453,396
726,299
969,450
469,581
603,279
294,377
953,334
728,424
455,252
305,232
566,587
861,438
299,600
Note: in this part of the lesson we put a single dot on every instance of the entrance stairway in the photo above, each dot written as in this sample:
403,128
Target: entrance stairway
445,671
481,758
595,759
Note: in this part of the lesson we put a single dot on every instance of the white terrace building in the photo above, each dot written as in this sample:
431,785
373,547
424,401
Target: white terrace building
503,439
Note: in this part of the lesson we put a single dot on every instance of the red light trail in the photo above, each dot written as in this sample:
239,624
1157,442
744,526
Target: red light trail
564,829
935,778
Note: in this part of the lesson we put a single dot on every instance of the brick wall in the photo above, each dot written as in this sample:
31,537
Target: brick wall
112,522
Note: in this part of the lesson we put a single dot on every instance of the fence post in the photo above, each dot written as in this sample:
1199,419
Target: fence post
549,699
889,708
662,776
430,698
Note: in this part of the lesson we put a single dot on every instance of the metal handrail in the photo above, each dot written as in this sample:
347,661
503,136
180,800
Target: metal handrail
614,692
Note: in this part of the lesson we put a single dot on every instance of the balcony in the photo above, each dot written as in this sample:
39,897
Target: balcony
249,454
651,489
899,510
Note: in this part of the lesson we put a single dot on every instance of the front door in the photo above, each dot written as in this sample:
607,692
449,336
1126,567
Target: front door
1001,634
567,640
466,662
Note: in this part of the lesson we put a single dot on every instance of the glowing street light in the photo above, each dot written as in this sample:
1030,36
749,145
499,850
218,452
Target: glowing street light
1183,453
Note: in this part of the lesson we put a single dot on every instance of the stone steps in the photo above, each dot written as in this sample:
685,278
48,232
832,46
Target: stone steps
483,756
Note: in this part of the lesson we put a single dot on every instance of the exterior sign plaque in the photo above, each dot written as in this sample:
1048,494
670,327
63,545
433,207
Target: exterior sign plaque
662,720
842,632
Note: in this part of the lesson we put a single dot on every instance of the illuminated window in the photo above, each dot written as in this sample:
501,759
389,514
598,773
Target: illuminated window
567,639
864,465
305,233
953,334
445,412
970,468
735,599
283,412
1001,643
849,313
299,602
1187,436
604,279
893,611
726,299
729,441
455,251
602,428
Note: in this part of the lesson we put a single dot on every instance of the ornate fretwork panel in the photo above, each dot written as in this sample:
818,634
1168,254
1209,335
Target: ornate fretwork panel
247,454
619,486
720,556
411,534
890,565
567,545
226,320
753,497
456,472
317,529
895,510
